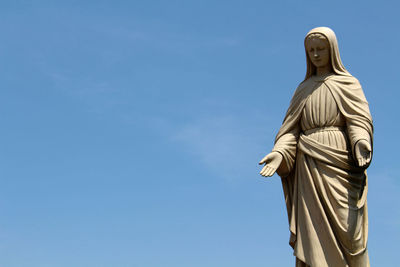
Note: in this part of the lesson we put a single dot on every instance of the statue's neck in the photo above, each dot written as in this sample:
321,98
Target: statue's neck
321,71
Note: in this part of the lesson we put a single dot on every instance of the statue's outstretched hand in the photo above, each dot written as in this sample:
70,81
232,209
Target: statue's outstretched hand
362,152
272,162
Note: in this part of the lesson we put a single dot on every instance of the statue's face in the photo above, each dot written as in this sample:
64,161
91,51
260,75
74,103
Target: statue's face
318,51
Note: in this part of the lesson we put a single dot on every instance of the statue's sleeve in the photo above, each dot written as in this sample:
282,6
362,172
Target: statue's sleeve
288,135
356,134
287,146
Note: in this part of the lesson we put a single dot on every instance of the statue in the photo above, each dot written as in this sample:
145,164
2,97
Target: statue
321,153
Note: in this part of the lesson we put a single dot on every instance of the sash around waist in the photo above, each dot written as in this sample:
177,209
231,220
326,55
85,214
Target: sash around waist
324,129
334,156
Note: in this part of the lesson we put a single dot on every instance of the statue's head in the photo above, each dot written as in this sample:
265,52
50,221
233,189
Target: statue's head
318,50
322,48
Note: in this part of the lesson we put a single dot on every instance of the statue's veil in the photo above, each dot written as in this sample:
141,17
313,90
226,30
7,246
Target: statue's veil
336,62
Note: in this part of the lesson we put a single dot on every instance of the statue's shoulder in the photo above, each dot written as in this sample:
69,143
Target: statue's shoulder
303,90
305,84
348,81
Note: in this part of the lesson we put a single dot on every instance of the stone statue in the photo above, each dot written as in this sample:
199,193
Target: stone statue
321,153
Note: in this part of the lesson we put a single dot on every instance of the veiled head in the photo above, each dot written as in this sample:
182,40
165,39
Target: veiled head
323,37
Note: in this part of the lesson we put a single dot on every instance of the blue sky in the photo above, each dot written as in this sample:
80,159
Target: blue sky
131,130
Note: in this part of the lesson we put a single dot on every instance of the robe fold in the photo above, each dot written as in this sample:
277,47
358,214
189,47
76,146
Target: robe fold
325,191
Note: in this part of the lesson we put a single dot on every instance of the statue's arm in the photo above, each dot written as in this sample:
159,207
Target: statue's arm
360,141
283,155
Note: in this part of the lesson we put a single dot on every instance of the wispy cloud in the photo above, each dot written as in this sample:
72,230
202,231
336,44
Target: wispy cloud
227,145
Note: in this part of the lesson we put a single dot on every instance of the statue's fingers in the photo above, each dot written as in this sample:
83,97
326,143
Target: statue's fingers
262,172
265,171
268,171
264,168
271,171
368,160
369,147
359,162
266,174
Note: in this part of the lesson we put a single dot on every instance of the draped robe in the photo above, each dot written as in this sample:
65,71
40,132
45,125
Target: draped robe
325,191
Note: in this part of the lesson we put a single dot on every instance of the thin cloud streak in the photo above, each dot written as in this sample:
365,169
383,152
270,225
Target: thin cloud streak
226,145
